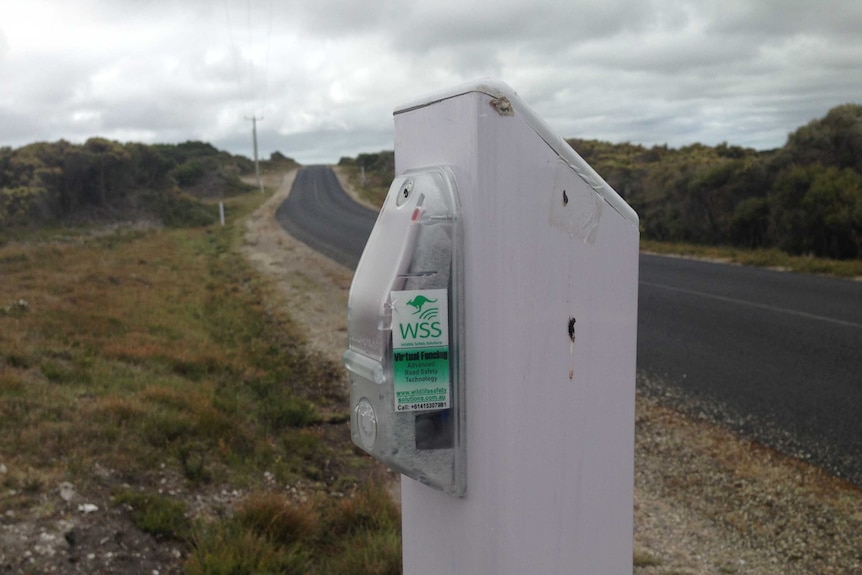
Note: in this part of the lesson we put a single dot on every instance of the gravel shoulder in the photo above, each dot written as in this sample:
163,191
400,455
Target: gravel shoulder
313,287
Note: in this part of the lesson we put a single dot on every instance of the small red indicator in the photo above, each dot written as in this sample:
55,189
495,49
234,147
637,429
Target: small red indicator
415,215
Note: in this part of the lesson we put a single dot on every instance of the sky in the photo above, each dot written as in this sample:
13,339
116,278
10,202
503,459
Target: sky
323,76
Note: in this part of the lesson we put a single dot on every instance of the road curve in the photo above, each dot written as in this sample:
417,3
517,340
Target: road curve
775,355
319,213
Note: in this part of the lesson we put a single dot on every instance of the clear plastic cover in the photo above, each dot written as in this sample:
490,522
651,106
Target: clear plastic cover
404,329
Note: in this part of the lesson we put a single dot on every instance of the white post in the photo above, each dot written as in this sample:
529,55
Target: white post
221,212
550,309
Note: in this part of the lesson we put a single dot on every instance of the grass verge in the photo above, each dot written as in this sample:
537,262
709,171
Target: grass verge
153,353
376,185
766,258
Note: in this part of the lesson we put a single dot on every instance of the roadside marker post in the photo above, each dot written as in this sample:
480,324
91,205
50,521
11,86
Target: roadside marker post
543,364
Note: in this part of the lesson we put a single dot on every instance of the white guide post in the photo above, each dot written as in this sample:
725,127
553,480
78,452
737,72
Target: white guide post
550,264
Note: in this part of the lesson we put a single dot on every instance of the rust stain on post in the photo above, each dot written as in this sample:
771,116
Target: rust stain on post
503,106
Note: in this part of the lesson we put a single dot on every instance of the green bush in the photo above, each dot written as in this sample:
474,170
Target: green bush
160,516
189,173
179,210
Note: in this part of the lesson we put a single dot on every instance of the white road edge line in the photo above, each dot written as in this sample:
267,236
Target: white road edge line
757,305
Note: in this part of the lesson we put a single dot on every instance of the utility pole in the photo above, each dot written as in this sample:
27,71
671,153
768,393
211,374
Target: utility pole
254,120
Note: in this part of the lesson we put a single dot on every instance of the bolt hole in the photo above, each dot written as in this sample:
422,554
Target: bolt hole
565,198
405,192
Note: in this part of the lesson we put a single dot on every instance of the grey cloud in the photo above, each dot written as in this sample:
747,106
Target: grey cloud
327,74
788,17
337,18
420,26
311,147
540,27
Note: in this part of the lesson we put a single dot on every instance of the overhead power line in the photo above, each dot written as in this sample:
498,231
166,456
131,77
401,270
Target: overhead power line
252,96
252,76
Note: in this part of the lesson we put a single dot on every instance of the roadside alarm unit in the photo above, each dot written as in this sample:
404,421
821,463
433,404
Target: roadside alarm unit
404,329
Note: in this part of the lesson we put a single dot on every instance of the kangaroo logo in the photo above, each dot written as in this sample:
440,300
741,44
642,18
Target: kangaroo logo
419,302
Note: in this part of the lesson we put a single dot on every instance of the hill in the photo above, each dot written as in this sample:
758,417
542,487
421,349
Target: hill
104,181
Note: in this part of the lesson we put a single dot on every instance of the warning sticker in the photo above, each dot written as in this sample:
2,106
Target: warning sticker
420,349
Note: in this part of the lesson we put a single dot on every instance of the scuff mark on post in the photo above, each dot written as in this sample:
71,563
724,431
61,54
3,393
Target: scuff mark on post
571,331
580,211
503,106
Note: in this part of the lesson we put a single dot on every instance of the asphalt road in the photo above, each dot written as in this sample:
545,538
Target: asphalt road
319,213
775,355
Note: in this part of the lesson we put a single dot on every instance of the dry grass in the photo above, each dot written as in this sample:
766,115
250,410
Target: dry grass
269,534
157,338
156,353
370,195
